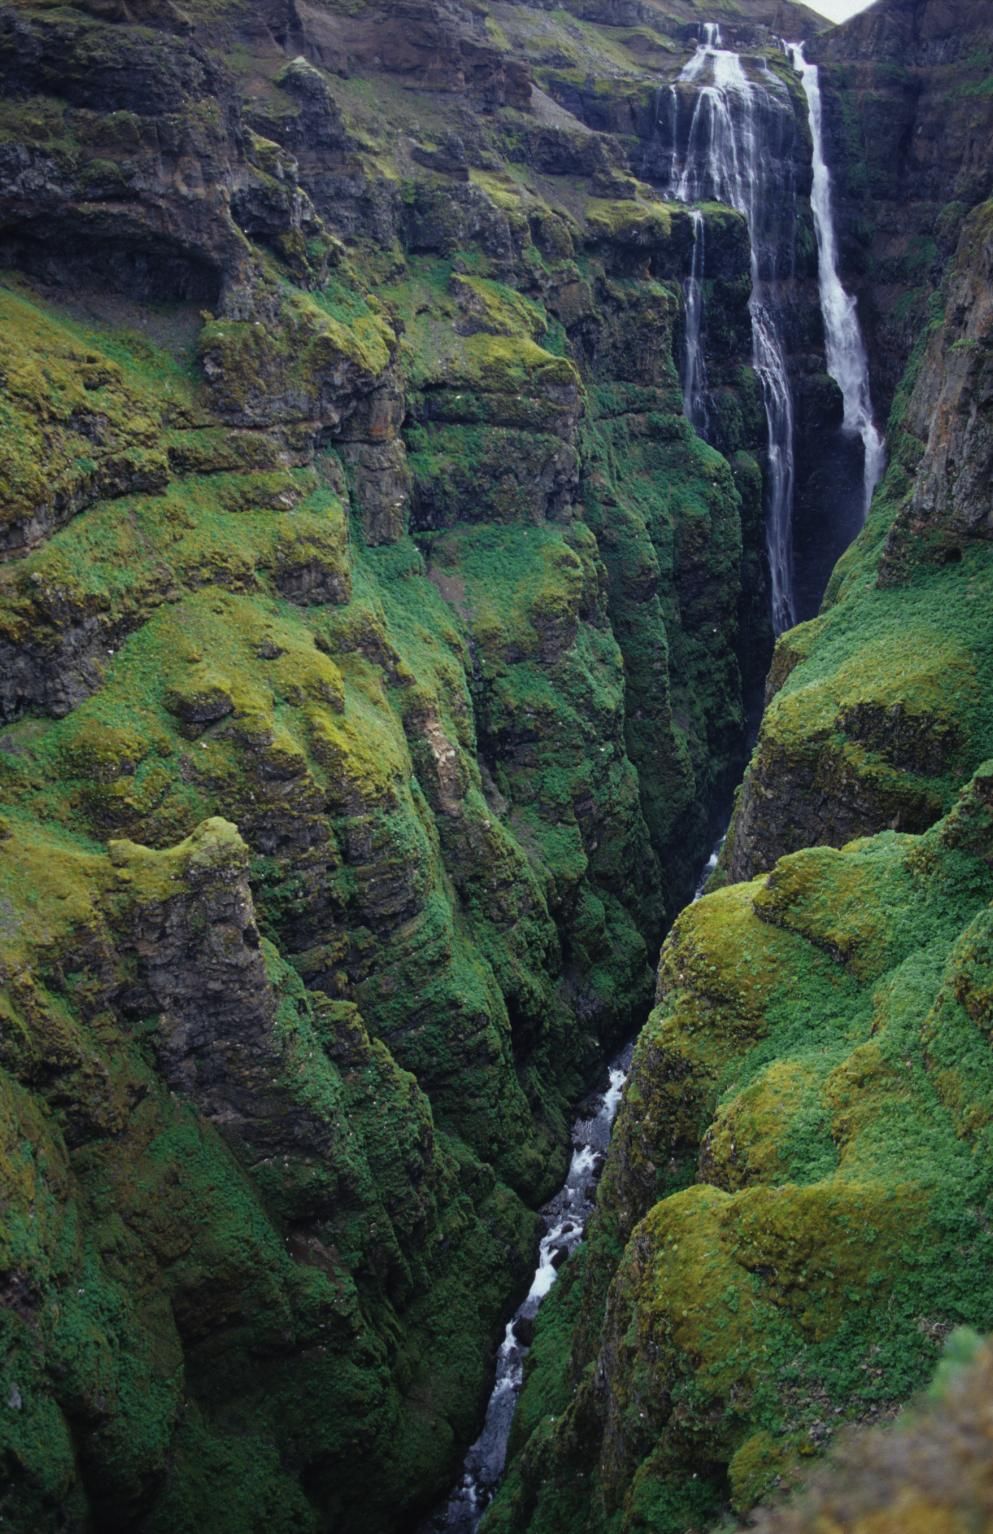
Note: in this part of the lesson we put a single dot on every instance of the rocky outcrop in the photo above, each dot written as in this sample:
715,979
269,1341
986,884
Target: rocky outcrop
116,182
781,1239
950,414
229,1168
873,729
201,970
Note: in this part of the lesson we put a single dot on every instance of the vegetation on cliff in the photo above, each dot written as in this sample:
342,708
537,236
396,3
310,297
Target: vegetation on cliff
369,671
878,708
929,1476
799,1181
373,628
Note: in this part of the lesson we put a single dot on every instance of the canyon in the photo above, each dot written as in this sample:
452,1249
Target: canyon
454,454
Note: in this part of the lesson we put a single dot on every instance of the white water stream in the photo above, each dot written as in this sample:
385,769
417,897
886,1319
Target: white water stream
565,1218
694,374
736,130
846,356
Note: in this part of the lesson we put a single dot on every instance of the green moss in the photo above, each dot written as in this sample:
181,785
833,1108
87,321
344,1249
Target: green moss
757,1469
500,187
358,326
880,704
507,363
629,222
810,1062
519,588
157,876
301,356
502,310
81,411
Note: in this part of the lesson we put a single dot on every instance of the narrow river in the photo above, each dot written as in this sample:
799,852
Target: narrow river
564,1218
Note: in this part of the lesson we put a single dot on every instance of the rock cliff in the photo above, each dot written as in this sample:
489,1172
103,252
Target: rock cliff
376,643
372,638
910,114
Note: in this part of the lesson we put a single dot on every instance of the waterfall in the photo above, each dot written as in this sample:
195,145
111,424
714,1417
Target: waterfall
734,155
711,42
846,355
694,376
670,118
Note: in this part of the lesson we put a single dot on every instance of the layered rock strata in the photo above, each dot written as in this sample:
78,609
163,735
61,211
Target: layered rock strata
370,634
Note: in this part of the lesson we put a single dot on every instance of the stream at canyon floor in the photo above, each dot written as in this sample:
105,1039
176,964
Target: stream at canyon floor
565,1217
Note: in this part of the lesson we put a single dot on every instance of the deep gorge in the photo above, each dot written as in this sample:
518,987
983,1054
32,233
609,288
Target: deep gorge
393,469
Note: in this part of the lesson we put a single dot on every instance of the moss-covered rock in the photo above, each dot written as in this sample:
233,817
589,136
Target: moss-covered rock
796,1181
877,711
927,1474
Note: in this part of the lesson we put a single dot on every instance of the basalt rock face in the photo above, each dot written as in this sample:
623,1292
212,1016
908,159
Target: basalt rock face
370,628
909,117
877,709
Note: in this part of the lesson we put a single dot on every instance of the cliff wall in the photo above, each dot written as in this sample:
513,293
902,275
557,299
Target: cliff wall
371,638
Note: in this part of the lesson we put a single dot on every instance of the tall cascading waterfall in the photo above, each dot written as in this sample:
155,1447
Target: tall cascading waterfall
694,370
735,146
846,355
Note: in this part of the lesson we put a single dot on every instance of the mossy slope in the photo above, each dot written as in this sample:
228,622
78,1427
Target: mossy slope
929,1474
878,710
798,1179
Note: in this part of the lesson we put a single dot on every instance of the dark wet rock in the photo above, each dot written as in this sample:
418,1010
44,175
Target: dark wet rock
524,1330
908,77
